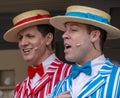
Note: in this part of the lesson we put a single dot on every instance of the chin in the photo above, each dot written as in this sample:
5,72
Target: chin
27,59
69,59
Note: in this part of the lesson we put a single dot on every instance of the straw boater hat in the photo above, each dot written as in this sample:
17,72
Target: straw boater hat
26,19
86,15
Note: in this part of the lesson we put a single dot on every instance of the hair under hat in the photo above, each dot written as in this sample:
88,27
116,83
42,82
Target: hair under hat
26,19
86,15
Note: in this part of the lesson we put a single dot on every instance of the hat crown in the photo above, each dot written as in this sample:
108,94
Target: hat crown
29,14
24,20
85,9
86,15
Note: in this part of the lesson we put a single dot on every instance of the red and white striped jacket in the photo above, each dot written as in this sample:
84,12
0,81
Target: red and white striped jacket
56,71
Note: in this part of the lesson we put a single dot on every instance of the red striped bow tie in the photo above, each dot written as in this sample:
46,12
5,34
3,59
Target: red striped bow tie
31,71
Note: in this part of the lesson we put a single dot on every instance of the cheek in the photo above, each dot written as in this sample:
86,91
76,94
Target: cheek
19,45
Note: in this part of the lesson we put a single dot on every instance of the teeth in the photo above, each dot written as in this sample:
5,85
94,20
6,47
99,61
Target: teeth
67,46
27,50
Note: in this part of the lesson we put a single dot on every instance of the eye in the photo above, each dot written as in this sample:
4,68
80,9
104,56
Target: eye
19,37
30,36
73,30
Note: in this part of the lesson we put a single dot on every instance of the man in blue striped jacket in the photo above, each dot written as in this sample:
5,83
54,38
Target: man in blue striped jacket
93,75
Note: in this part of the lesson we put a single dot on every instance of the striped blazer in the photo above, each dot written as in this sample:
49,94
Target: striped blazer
106,84
56,71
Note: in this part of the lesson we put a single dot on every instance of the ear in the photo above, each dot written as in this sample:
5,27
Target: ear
95,35
49,38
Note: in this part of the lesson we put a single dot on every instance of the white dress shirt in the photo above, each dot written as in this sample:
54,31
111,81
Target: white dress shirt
46,63
82,79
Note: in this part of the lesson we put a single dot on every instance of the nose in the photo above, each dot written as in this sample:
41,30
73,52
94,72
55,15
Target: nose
23,42
65,35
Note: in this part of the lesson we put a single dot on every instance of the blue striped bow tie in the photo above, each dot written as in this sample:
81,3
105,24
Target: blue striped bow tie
76,69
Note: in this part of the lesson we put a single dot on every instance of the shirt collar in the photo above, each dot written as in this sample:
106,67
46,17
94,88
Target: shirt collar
99,60
48,61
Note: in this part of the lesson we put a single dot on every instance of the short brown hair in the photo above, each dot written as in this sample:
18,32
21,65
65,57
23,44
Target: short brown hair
103,34
45,29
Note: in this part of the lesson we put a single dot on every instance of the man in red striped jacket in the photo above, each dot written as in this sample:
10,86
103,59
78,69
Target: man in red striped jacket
34,35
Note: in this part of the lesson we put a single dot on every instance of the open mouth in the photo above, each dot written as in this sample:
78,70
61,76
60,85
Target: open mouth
27,50
67,46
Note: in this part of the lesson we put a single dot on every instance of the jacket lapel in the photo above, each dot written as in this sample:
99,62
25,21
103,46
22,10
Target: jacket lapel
43,81
97,81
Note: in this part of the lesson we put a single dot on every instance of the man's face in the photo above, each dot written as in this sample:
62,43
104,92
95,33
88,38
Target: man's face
76,42
32,45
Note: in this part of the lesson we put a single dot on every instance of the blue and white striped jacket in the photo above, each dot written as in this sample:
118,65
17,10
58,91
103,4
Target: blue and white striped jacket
106,84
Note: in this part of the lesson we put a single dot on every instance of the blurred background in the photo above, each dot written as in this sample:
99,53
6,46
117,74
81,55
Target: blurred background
13,68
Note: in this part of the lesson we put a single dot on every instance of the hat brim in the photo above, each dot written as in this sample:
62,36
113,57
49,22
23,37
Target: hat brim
11,34
59,23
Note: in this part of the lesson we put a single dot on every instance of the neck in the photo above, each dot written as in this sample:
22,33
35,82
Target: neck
90,57
42,58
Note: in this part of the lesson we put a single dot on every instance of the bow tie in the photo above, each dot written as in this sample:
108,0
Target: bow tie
76,69
31,71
